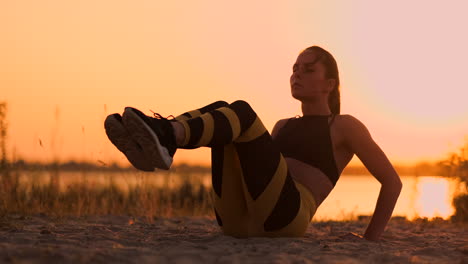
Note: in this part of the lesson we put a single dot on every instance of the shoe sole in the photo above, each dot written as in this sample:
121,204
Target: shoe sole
119,136
147,139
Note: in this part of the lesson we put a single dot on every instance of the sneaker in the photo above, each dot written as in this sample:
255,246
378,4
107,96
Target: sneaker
119,136
154,135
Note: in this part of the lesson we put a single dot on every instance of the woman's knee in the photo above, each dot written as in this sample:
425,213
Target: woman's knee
242,106
241,103
220,103
245,113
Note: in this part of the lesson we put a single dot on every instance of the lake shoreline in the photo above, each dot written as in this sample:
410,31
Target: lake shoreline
417,169
111,238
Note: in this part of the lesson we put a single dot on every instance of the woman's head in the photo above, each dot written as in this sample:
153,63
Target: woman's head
315,76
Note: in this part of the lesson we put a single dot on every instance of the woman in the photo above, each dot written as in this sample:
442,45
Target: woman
268,185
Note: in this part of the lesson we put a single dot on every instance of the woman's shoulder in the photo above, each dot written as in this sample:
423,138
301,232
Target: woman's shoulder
283,121
348,120
279,124
351,124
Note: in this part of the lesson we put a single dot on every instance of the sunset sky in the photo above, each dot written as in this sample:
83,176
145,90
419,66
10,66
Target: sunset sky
65,65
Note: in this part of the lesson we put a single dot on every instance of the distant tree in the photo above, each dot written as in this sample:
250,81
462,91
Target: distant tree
457,165
3,135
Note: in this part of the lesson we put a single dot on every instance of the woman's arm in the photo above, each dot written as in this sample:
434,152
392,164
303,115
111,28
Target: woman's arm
360,142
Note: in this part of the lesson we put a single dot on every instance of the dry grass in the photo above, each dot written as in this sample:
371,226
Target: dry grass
84,198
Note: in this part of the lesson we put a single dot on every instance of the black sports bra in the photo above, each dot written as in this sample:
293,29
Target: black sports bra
308,139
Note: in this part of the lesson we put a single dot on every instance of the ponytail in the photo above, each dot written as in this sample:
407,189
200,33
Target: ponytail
331,72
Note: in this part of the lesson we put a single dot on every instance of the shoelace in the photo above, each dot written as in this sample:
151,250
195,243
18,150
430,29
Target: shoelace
158,116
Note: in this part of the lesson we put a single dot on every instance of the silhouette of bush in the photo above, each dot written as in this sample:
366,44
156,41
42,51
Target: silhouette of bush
457,166
460,202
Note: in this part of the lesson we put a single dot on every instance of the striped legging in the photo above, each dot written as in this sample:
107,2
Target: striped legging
253,192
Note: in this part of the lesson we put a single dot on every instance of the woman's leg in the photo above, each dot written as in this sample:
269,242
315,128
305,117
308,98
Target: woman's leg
155,135
198,112
279,205
272,204
122,139
225,168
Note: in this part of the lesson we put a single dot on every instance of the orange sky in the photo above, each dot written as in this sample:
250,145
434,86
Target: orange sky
65,65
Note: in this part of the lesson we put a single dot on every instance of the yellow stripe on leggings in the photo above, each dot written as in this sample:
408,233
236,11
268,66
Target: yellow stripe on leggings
266,202
254,131
187,132
195,113
208,128
233,120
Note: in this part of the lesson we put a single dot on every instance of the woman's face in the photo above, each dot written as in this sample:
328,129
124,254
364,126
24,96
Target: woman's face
308,81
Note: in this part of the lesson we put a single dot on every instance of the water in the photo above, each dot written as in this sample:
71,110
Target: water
354,195
423,196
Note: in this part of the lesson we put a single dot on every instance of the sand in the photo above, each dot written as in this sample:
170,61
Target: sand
123,239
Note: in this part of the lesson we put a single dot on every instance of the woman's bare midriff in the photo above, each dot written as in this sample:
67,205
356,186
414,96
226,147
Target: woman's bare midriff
312,178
